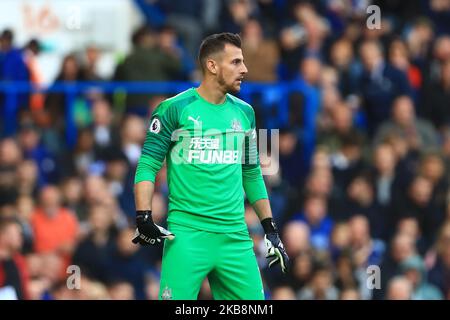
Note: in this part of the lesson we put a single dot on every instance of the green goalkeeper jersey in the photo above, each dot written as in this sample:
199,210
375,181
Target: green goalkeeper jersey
211,156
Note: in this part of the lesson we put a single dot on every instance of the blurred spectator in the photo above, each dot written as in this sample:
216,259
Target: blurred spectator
366,250
10,157
29,138
237,14
93,253
419,133
418,39
410,227
440,54
27,178
380,83
13,66
132,136
319,182
290,157
347,161
96,190
399,58
25,208
314,214
330,97
399,288
126,263
345,273
105,131
439,13
80,161
349,294
361,200
261,55
385,180
88,71
283,293
418,204
402,247
121,290
439,274
169,44
189,19
320,287
341,118
120,179
13,269
339,240
72,193
56,102
93,290
55,228
342,58
432,167
303,37
147,62
436,97
302,270
310,70
152,286
414,270
296,237
31,53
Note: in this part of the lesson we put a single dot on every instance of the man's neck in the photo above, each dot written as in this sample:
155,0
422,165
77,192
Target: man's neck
211,92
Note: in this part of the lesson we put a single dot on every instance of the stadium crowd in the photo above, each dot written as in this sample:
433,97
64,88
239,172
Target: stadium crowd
374,190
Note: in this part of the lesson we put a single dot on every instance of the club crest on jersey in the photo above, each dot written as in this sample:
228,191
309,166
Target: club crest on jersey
236,125
155,126
167,294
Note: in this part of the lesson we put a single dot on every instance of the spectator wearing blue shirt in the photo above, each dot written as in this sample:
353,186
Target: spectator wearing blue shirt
315,216
380,83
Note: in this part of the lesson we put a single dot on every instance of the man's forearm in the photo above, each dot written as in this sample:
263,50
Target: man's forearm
143,194
262,209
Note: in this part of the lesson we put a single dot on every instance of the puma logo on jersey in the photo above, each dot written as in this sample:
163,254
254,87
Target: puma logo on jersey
196,121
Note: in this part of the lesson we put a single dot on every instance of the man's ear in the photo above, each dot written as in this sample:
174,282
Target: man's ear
211,65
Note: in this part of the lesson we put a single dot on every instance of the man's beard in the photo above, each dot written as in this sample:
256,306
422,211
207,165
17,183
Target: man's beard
223,84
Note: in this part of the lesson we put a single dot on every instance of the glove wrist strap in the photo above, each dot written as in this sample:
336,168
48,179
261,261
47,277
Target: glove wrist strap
269,226
144,214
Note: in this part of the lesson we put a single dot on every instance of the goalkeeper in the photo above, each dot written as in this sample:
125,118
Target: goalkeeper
208,138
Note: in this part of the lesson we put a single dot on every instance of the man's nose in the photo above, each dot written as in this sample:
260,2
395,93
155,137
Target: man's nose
244,69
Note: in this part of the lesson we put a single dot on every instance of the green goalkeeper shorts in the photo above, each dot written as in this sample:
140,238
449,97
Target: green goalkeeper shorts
227,259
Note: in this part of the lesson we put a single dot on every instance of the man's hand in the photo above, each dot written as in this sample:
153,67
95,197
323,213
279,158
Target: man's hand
275,248
147,232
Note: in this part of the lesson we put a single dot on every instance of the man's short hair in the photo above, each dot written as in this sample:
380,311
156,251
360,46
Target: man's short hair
216,43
